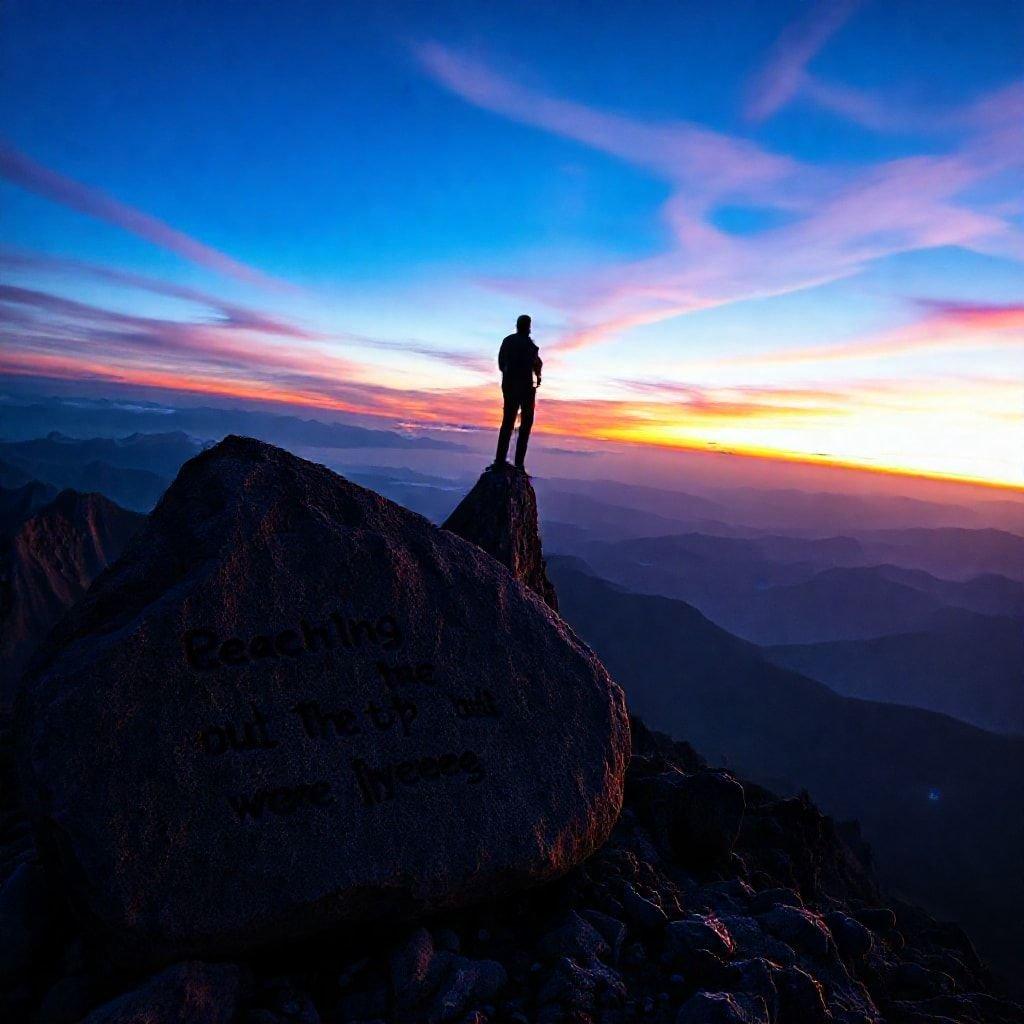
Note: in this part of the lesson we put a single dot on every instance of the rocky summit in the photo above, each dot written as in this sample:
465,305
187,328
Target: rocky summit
293,704
499,515
766,912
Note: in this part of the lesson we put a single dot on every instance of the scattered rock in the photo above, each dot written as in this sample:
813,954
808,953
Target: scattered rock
574,938
852,938
721,1008
187,993
799,927
878,919
697,936
697,816
612,930
467,984
800,997
641,912
412,979
767,899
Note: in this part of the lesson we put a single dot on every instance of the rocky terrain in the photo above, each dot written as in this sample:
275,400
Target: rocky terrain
713,901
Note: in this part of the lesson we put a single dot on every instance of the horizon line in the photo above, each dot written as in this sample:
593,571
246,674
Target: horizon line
284,408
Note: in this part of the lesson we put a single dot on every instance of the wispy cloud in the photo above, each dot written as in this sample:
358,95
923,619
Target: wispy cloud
778,80
740,403
681,151
228,313
943,325
222,313
28,174
839,219
997,114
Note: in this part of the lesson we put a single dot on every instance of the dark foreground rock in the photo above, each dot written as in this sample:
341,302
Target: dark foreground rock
499,515
292,703
187,993
788,927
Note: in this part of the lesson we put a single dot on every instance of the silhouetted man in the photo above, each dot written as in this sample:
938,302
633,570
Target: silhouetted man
519,361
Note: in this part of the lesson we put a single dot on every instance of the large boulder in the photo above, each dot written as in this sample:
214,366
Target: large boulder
293,703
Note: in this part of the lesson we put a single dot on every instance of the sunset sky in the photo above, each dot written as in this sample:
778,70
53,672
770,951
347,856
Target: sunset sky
768,227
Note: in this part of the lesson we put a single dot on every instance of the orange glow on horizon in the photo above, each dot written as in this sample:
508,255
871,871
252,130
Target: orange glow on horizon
640,423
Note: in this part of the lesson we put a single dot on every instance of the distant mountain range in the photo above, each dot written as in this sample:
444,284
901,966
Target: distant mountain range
967,665
19,501
939,800
103,418
750,511
775,590
954,552
132,471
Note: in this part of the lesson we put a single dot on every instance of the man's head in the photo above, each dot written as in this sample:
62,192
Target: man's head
523,324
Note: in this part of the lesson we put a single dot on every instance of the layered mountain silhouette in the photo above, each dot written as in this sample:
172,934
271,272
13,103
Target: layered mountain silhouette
936,797
132,471
952,552
30,418
775,590
49,557
965,664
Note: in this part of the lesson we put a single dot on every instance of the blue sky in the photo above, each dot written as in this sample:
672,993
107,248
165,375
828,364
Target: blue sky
787,227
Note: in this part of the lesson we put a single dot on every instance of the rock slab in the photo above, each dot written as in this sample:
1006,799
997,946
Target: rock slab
499,515
292,703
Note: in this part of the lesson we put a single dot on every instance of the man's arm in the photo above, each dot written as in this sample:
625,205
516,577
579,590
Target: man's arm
503,355
538,365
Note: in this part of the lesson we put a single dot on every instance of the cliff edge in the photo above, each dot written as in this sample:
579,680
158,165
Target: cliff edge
499,515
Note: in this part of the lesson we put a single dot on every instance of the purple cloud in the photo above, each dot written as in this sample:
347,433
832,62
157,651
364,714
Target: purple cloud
839,219
26,173
782,74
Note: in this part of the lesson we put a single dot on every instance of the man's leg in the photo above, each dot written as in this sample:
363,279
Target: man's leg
508,421
525,426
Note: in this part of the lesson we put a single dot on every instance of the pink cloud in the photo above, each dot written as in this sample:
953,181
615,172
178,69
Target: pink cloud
838,219
25,172
865,109
945,325
682,151
986,316
782,74
73,321
996,115
228,313
131,340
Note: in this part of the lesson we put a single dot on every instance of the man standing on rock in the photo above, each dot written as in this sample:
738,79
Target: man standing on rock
519,361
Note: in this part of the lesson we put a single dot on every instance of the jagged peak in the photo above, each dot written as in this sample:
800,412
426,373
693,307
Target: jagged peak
499,515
